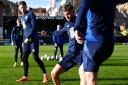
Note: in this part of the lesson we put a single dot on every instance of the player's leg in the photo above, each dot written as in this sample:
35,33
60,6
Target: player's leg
26,52
26,63
91,78
21,55
94,54
42,66
82,75
35,52
89,56
102,53
55,51
64,65
61,50
57,70
15,55
79,61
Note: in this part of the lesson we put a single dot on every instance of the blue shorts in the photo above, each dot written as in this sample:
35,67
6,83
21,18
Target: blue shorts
95,53
32,47
71,59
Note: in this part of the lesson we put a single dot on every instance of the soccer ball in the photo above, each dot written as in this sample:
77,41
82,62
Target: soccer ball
48,58
45,56
52,57
41,57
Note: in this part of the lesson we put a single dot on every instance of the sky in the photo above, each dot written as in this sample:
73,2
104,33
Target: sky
35,3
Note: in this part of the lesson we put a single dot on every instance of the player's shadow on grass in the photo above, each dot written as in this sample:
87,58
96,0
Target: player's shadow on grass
116,62
38,80
114,84
114,81
70,80
45,65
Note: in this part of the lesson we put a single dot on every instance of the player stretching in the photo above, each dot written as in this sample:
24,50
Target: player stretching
30,41
74,54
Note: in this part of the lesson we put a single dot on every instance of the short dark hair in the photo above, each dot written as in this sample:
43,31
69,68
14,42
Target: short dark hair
68,7
22,3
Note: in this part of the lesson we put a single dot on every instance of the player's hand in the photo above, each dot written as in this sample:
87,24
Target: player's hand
22,44
43,33
79,37
27,40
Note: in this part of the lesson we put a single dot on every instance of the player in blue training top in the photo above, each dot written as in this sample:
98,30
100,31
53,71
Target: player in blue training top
58,42
74,54
98,43
17,39
30,41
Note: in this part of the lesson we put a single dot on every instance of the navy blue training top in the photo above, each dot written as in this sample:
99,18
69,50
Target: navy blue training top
100,17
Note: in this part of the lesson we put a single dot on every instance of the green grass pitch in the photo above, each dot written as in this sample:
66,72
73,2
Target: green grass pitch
114,71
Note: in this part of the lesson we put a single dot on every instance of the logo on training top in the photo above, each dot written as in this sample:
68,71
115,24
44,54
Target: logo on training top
72,32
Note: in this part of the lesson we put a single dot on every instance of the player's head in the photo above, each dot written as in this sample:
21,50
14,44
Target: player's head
69,12
22,7
58,27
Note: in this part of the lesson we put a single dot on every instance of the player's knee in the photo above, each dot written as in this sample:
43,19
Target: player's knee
35,57
82,75
91,77
24,57
53,74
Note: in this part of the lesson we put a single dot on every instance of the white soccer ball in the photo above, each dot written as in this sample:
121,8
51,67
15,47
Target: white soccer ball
45,56
52,57
41,57
48,58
